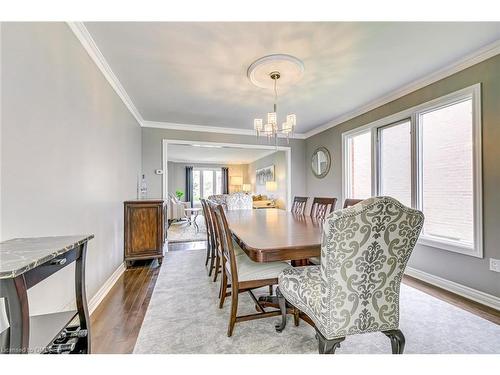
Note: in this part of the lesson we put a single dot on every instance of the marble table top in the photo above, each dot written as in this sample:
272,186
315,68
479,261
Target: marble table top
22,254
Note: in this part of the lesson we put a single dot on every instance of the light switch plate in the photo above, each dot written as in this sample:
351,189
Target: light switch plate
495,265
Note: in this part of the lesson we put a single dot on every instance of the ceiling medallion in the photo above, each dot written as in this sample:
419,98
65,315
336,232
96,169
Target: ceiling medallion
265,73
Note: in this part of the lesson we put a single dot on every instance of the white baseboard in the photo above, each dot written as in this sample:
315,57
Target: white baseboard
105,288
451,286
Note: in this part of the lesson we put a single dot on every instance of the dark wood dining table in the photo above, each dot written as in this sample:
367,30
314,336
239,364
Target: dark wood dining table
273,234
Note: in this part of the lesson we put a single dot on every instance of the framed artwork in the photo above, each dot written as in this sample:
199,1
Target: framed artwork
265,174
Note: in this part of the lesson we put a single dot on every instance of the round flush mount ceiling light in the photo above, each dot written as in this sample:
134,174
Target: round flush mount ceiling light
291,70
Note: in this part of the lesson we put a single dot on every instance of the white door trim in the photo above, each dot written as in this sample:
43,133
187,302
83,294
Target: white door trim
287,149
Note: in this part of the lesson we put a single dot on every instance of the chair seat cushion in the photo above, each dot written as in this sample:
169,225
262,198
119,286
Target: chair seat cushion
301,286
249,270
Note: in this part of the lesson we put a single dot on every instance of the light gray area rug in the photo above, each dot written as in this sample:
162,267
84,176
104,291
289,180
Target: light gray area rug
183,317
182,231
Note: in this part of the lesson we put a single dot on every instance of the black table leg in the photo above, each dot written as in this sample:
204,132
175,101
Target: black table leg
83,345
17,308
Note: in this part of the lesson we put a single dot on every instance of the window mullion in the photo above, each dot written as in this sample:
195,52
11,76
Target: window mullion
375,162
415,163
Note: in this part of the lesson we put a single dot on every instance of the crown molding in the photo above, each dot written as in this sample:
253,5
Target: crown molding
474,58
206,128
92,49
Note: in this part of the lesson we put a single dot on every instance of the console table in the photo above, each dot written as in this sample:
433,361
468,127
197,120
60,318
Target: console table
24,262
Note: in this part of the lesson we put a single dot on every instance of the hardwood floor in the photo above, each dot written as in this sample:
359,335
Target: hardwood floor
118,319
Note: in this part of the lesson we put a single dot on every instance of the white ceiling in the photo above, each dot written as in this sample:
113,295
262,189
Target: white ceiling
195,73
215,155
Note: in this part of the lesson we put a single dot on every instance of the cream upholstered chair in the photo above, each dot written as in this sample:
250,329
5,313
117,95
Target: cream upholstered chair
239,201
355,289
176,208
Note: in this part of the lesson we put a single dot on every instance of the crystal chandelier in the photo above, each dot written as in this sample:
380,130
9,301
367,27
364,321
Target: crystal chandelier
271,129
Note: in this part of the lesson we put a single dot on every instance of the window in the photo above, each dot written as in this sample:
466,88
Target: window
447,172
206,182
359,168
427,157
395,161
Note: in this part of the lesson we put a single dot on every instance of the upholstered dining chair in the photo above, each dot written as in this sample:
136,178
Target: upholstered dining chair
211,247
351,202
219,198
243,273
355,289
239,201
299,205
321,207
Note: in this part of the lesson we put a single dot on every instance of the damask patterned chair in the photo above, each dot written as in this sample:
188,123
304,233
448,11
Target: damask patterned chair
239,201
219,199
355,289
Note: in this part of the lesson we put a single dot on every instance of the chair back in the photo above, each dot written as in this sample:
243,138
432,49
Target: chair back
364,251
299,205
321,207
351,202
219,198
208,223
225,241
239,201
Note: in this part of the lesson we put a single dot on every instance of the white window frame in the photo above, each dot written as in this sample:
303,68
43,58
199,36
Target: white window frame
414,114
214,170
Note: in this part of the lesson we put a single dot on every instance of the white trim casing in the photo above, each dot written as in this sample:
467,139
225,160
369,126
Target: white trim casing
462,290
472,92
287,149
92,49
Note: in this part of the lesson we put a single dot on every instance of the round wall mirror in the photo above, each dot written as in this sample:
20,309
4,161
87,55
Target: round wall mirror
320,162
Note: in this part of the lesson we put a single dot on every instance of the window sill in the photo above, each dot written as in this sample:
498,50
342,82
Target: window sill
452,247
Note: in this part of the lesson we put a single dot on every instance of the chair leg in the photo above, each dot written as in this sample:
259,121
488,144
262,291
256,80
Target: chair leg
234,309
223,290
208,254
296,316
212,260
397,340
216,267
327,346
282,304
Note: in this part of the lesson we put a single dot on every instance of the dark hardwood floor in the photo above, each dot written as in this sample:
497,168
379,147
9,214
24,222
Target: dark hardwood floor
117,320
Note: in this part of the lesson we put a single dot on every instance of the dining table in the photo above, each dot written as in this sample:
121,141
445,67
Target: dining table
276,235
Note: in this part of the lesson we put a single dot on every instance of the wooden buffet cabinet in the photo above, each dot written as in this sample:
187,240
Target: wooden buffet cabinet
145,229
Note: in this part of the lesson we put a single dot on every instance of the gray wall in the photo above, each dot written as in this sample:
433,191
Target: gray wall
152,154
278,159
70,151
466,270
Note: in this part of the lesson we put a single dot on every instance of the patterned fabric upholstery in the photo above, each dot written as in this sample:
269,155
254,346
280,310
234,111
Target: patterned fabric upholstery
219,199
239,201
364,252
